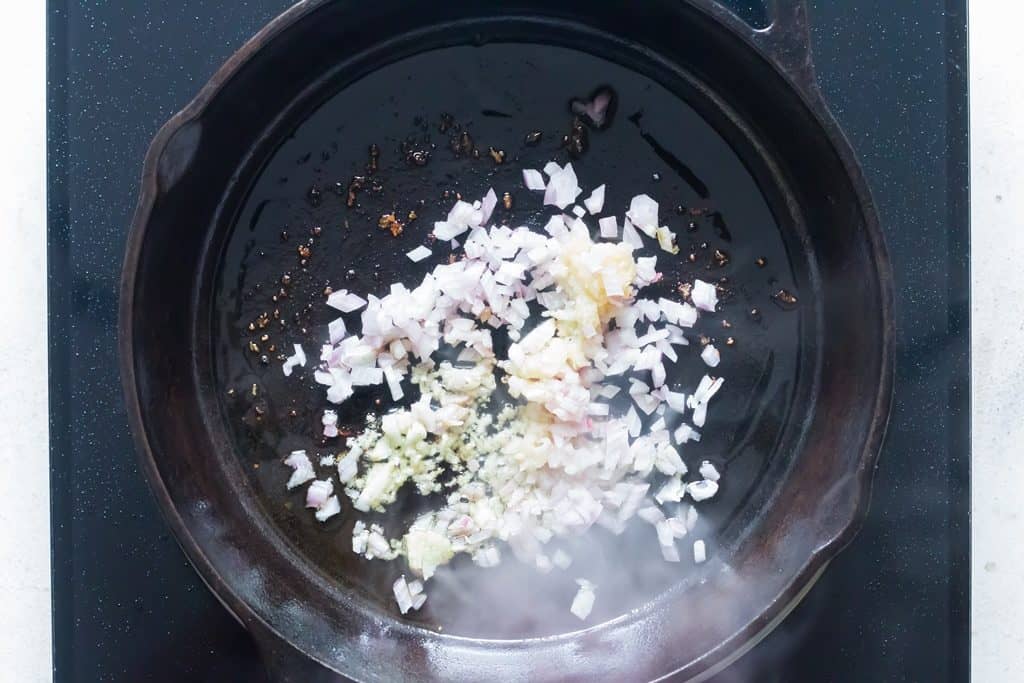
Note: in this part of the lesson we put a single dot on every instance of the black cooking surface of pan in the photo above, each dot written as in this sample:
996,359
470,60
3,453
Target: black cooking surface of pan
245,220
498,93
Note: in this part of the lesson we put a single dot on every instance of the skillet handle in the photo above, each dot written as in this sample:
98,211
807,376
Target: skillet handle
787,41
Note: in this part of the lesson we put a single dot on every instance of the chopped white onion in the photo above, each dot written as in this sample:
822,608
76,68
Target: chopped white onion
561,559
394,383
402,594
702,489
709,471
685,433
445,231
533,179
348,466
328,509
633,422
676,401
677,525
630,235
704,296
487,556
345,302
651,514
595,202
583,603
700,553
330,423
563,188
672,492
419,253
296,359
691,518
570,457
711,356
336,330
666,540
302,469
609,227
670,553
487,205
363,376
643,212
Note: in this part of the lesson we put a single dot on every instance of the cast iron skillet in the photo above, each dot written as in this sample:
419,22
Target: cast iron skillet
728,117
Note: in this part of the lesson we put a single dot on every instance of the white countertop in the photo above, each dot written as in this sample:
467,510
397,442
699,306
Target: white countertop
24,453
997,177
997,359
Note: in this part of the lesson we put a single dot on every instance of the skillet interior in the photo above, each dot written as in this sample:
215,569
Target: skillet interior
782,190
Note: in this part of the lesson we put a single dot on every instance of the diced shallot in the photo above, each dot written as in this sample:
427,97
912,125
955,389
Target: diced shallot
565,456
403,596
302,468
711,356
643,212
709,471
296,359
700,553
331,507
685,433
630,235
609,227
345,302
583,603
702,489
419,253
533,179
561,559
563,188
595,202
330,423
704,296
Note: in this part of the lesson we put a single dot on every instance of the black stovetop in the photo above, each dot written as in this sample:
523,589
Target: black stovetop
128,606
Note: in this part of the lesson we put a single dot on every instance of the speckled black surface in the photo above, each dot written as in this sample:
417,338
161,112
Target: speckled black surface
128,607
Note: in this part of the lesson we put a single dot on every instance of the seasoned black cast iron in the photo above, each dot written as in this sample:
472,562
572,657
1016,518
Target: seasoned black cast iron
728,117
